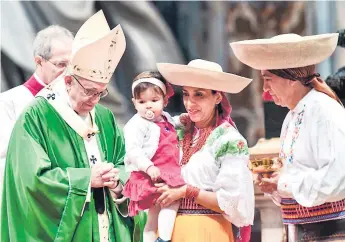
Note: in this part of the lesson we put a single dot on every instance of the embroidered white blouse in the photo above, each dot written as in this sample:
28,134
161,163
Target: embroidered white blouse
221,167
313,151
141,141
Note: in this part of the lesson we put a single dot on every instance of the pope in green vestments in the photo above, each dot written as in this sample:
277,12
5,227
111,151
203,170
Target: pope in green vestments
64,166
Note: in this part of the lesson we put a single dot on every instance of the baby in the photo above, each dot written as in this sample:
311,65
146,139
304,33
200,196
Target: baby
152,154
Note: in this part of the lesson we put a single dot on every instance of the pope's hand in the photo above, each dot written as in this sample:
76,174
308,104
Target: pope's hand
97,172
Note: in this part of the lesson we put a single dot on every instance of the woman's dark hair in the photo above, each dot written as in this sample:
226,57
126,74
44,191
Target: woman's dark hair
219,106
308,77
141,87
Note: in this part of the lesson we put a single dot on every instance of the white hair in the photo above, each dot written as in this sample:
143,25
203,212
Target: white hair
43,40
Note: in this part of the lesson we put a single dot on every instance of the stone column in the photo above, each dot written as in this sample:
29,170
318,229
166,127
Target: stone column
251,20
217,48
272,229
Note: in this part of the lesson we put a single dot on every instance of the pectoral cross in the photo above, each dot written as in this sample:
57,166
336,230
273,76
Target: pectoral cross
90,135
93,159
51,96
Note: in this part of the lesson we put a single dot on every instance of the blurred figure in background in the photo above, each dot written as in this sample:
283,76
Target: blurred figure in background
52,49
337,83
341,38
337,80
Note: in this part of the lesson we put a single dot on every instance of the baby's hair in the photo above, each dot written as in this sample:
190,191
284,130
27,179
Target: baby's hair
141,87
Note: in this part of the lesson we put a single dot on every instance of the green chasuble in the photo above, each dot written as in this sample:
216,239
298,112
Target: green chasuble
47,179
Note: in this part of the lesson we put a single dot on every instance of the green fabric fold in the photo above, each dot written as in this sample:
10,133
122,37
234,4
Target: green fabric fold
47,176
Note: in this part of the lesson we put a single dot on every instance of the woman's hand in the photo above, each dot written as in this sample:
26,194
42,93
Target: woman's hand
169,194
268,185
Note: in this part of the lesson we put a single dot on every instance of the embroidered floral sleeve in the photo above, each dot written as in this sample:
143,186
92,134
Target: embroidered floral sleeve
233,147
235,191
221,166
226,141
217,133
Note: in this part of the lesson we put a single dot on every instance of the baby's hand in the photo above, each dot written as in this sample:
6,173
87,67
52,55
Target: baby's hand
184,118
154,173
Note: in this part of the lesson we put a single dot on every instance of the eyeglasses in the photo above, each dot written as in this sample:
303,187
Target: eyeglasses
91,93
59,65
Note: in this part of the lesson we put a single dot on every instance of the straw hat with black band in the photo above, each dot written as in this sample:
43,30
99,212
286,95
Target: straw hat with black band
291,57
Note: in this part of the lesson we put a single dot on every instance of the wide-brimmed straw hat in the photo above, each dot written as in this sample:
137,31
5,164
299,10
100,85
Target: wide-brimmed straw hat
285,51
203,74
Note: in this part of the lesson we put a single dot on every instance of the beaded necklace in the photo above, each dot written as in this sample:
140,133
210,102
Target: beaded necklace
188,148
